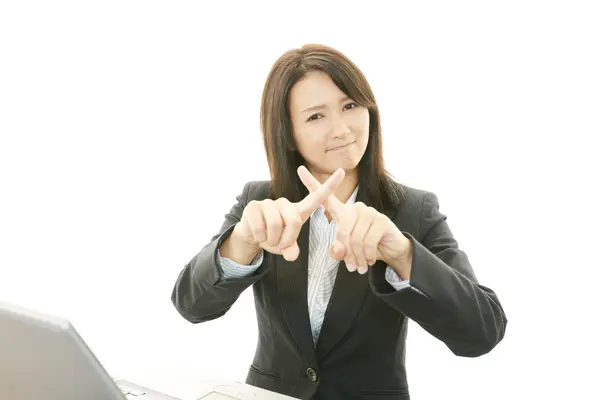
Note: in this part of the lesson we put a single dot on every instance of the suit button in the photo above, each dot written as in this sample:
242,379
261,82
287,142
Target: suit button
312,375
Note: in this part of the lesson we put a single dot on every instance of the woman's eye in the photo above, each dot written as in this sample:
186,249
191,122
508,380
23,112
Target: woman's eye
315,117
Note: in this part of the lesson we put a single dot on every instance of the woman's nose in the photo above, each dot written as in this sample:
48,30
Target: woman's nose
340,128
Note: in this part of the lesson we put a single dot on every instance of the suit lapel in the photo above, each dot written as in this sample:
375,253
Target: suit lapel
348,295
349,292
292,279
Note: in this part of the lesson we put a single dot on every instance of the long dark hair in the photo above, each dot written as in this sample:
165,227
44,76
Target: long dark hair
376,183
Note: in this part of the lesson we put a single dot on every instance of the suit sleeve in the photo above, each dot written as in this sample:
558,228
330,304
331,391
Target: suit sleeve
201,292
233,270
392,277
444,296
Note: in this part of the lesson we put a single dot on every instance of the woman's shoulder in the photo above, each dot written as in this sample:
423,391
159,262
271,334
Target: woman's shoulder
413,198
257,190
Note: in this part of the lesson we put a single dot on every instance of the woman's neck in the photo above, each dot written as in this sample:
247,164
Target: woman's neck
346,188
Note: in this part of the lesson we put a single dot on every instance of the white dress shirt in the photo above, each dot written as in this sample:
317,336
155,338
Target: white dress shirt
322,269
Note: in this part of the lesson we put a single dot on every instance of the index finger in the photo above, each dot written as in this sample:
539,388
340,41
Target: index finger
311,202
334,206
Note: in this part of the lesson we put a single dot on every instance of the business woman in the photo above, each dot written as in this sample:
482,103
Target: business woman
340,256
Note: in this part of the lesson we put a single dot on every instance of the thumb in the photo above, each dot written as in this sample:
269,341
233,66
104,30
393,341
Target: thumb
337,251
291,253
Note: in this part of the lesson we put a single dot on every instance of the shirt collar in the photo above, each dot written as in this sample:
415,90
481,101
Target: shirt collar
352,198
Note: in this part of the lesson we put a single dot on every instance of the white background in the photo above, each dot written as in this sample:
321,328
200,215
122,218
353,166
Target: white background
128,128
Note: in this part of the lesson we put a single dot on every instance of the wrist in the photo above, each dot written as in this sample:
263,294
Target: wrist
242,240
402,263
239,250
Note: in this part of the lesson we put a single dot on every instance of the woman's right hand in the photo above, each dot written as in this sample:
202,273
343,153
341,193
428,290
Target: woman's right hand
274,225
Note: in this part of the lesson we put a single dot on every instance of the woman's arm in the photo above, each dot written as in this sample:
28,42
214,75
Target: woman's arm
202,291
444,296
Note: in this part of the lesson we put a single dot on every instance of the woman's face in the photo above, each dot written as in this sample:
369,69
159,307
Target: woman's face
330,130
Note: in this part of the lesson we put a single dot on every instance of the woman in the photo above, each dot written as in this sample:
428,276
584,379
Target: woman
339,255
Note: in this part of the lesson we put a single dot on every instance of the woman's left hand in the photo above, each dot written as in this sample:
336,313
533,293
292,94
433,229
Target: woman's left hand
364,235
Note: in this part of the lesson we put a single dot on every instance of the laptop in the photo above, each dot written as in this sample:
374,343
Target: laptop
43,357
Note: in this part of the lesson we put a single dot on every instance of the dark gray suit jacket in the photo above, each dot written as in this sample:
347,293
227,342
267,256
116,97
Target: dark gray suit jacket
360,352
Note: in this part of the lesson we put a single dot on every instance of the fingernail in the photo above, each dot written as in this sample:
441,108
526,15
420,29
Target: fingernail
337,248
351,267
362,270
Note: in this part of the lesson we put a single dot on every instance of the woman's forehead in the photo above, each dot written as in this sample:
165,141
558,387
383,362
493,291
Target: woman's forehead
316,89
